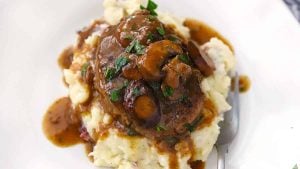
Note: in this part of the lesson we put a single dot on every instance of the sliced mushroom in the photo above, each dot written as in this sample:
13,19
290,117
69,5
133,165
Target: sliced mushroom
175,94
203,62
176,71
172,77
141,103
145,107
156,54
131,72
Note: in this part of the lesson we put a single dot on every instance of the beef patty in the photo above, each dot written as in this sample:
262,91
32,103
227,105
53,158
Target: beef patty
148,77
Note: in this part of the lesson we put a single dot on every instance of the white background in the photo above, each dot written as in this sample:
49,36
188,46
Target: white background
266,38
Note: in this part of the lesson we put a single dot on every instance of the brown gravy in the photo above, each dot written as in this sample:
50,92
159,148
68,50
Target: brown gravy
202,33
197,164
244,83
61,124
65,58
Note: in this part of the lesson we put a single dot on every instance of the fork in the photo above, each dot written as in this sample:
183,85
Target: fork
230,124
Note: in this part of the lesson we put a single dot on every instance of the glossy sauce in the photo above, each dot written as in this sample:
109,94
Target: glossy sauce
244,83
202,33
61,124
65,58
197,164
173,162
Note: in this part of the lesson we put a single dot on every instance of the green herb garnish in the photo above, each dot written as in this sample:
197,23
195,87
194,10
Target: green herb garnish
115,95
84,69
110,73
139,48
135,47
295,166
184,58
126,83
130,47
173,38
136,91
160,127
120,62
128,37
183,98
151,17
151,6
131,132
150,36
192,126
168,91
161,30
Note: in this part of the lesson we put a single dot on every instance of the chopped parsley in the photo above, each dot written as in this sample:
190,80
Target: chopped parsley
184,58
183,98
160,127
168,91
126,83
151,6
84,69
161,30
139,48
131,132
136,92
120,62
110,73
135,47
173,38
115,95
192,126
130,47
150,36
151,17
128,37
295,166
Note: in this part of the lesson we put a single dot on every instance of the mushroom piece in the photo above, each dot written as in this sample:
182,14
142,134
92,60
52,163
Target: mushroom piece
202,61
137,27
176,71
131,72
156,54
141,104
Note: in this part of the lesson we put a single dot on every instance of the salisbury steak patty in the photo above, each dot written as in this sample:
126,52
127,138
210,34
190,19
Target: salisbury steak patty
147,79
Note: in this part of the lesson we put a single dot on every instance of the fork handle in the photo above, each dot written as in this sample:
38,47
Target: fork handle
222,151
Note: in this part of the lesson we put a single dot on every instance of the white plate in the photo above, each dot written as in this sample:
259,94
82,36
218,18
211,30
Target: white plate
267,42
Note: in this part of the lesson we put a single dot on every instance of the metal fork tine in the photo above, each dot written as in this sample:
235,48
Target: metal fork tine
236,97
230,125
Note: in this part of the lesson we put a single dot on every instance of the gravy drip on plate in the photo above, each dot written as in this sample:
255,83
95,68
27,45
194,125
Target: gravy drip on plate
65,58
62,124
202,33
244,83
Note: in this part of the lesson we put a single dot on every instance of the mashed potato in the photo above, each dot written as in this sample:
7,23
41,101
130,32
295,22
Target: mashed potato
122,152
